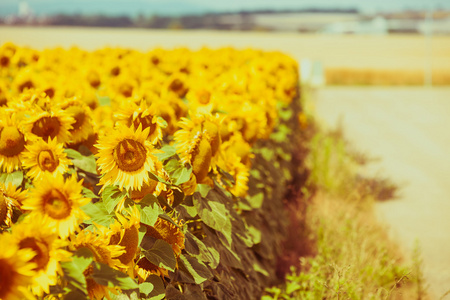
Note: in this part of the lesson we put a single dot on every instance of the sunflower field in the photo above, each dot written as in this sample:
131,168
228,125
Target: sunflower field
131,175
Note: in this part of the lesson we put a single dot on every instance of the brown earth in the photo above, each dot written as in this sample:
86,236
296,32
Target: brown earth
407,129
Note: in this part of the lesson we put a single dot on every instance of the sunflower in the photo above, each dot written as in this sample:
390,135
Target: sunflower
82,127
190,186
48,249
42,157
4,92
12,143
168,232
125,158
237,145
240,172
59,202
125,232
104,252
50,124
99,244
133,115
16,270
24,80
198,143
10,197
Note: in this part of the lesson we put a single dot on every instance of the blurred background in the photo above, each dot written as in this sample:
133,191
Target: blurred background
340,42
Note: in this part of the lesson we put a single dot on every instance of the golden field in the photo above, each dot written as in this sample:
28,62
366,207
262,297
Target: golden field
394,59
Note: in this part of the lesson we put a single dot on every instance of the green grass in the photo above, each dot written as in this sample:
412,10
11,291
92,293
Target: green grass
352,257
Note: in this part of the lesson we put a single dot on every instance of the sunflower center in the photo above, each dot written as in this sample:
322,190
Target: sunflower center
50,92
12,141
26,85
46,127
8,277
42,252
47,160
79,115
130,155
204,97
4,61
56,205
130,241
146,123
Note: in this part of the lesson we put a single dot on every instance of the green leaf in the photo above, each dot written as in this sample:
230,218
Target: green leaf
146,288
111,196
190,210
142,232
259,269
158,289
89,194
149,215
73,270
216,215
85,163
98,214
256,200
104,101
168,151
203,189
255,234
15,178
107,276
178,172
163,122
157,178
196,247
161,255
198,270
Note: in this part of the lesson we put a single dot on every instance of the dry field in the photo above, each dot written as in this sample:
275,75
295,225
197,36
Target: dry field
399,52
393,60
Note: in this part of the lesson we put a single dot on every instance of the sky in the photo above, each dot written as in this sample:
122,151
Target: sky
177,7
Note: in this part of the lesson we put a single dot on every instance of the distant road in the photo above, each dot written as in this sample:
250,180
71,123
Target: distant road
408,129
392,52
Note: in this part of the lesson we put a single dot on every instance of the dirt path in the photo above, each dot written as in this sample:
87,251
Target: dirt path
408,129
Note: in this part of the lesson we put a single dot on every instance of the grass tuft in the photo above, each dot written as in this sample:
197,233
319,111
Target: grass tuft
352,256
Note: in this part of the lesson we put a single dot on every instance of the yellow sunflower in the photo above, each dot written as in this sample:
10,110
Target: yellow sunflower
54,124
133,115
104,252
9,197
59,202
12,143
42,157
125,232
198,142
24,80
48,248
16,270
82,127
125,158
240,172
168,232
